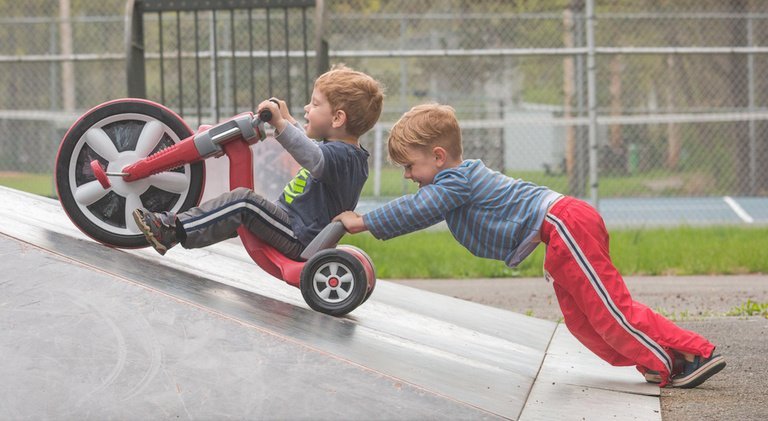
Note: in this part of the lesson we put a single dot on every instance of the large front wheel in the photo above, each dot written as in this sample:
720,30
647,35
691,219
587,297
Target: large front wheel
117,134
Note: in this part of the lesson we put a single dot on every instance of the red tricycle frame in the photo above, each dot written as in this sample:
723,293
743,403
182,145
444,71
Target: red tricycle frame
134,152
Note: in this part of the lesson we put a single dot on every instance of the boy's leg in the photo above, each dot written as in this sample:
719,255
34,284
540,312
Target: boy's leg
578,324
578,260
219,219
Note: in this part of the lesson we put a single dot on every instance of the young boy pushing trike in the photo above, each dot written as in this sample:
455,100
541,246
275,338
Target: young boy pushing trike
503,218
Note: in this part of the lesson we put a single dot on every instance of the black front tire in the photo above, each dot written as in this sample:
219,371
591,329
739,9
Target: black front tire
119,133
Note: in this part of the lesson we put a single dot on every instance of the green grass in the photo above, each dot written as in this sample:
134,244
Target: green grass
41,184
750,308
678,251
392,183
648,184
435,254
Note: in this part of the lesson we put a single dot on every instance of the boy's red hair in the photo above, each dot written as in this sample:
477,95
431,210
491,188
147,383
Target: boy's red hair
357,94
426,125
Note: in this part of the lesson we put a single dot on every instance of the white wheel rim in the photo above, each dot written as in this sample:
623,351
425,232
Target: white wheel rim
98,140
333,282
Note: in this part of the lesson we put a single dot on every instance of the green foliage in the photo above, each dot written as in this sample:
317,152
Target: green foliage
750,308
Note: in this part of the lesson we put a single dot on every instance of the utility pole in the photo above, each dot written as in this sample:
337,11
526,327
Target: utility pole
67,64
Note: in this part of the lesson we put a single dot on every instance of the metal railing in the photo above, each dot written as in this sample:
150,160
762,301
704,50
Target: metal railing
237,51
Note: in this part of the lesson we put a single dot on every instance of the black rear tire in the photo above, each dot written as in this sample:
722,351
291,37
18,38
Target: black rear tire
333,282
372,280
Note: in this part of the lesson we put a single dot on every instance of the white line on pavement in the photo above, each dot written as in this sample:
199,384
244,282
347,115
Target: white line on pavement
738,209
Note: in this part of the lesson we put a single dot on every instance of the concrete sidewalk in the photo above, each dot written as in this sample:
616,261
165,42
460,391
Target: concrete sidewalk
698,303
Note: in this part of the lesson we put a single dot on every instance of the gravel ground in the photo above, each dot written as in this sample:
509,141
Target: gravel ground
696,303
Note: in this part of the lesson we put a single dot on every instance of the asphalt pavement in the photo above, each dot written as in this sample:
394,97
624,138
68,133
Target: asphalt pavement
698,303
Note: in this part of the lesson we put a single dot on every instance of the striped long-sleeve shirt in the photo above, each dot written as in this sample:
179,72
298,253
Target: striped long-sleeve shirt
492,215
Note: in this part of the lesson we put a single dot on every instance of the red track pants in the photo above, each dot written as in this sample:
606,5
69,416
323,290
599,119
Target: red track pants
596,305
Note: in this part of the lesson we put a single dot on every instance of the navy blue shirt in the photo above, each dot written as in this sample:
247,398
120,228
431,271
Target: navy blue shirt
312,201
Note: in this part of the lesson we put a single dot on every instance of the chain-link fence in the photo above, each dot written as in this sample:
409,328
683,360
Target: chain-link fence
648,99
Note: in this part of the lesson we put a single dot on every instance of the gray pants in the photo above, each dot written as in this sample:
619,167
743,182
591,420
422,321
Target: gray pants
218,219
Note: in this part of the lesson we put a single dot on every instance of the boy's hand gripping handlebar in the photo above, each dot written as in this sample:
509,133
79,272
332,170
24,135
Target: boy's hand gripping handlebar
265,115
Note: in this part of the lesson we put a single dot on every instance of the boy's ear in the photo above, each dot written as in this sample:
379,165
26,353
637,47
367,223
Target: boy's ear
339,119
441,155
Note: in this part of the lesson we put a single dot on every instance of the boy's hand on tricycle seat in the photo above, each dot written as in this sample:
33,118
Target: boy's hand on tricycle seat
352,222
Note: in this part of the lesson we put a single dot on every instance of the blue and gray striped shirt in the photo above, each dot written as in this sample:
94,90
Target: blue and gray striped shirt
492,215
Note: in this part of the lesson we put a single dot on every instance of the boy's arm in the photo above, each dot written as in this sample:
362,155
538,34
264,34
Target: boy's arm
414,211
401,216
418,211
303,149
355,223
293,139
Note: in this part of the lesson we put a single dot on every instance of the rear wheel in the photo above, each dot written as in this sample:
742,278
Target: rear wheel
117,134
334,282
370,270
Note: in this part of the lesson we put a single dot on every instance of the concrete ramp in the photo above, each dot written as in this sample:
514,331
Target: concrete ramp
94,332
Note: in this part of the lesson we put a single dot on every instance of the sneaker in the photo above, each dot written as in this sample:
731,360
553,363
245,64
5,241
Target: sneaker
158,228
697,371
652,376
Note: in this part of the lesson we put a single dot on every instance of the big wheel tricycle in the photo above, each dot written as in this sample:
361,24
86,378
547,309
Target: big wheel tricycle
131,153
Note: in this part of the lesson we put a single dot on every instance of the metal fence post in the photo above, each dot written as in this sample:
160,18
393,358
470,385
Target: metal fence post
134,47
592,103
378,140
751,92
321,46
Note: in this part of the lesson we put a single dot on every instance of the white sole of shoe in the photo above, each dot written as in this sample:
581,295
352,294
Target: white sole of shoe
709,369
653,378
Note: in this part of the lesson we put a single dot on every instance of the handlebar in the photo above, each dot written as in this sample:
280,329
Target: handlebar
265,115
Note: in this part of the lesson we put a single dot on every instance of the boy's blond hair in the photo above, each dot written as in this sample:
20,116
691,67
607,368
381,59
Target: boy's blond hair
357,94
427,126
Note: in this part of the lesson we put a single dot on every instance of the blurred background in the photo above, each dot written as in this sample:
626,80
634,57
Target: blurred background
653,110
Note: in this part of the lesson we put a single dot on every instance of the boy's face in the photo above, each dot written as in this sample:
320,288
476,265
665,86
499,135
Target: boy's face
421,165
319,116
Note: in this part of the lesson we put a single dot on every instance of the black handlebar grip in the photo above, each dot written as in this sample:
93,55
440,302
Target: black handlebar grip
265,115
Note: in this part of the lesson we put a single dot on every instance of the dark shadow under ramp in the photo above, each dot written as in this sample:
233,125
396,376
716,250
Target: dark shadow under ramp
95,332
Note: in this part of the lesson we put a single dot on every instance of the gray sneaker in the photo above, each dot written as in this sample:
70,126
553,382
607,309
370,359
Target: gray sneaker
653,376
158,228
698,371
